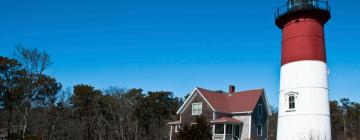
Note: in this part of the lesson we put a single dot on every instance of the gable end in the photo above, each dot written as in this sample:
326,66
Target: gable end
189,100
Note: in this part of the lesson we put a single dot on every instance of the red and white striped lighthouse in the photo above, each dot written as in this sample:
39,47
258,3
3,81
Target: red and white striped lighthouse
303,102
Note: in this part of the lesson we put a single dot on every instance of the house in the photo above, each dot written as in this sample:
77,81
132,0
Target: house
233,115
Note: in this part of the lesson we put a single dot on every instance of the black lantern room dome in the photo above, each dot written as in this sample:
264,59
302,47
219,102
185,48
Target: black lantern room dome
319,9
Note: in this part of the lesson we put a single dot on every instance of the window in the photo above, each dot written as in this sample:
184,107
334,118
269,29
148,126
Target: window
237,131
259,130
311,2
197,108
260,110
291,102
228,128
219,128
291,4
177,128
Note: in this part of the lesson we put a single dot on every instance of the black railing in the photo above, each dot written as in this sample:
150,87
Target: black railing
297,5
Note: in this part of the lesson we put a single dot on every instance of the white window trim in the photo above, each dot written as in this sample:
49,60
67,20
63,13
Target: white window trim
177,128
193,111
200,108
261,129
287,95
196,108
171,132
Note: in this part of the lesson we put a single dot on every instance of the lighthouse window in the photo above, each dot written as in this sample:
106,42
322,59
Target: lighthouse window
290,4
291,102
312,2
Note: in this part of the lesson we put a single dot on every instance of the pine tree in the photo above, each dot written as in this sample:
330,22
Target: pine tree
199,131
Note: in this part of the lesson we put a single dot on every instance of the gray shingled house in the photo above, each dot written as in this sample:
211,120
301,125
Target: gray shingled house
233,116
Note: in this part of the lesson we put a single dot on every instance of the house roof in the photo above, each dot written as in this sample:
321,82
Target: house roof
237,102
226,120
244,101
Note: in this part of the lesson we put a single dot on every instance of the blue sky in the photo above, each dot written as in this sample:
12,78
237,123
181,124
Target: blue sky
174,45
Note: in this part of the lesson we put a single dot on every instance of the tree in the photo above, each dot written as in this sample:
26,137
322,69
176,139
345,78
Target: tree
154,111
345,103
117,112
35,63
48,98
33,105
11,75
199,131
354,120
337,125
345,119
84,101
273,120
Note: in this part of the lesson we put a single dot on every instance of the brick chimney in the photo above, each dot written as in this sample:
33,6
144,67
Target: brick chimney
231,89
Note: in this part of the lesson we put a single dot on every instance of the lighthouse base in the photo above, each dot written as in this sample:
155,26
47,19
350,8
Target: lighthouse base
304,127
304,112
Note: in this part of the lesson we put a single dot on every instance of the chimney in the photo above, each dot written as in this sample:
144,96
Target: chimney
231,89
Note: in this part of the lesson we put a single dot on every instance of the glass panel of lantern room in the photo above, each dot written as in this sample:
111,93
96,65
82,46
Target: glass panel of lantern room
290,4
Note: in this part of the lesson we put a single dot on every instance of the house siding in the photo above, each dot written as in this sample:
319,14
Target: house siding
245,127
187,117
249,120
256,119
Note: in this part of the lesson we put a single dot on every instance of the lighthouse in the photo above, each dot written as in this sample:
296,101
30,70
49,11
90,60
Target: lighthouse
304,112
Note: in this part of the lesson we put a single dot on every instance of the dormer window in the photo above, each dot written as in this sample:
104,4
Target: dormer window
197,108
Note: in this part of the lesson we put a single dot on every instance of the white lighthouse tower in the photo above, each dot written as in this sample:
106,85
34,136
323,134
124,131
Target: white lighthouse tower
303,102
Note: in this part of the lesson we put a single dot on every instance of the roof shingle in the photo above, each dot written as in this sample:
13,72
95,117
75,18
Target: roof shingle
243,101
225,120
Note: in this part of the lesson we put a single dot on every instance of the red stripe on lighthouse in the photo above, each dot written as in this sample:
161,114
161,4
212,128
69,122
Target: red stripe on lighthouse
303,39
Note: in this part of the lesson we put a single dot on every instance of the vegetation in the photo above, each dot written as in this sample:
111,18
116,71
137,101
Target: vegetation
199,131
272,128
345,120
34,105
